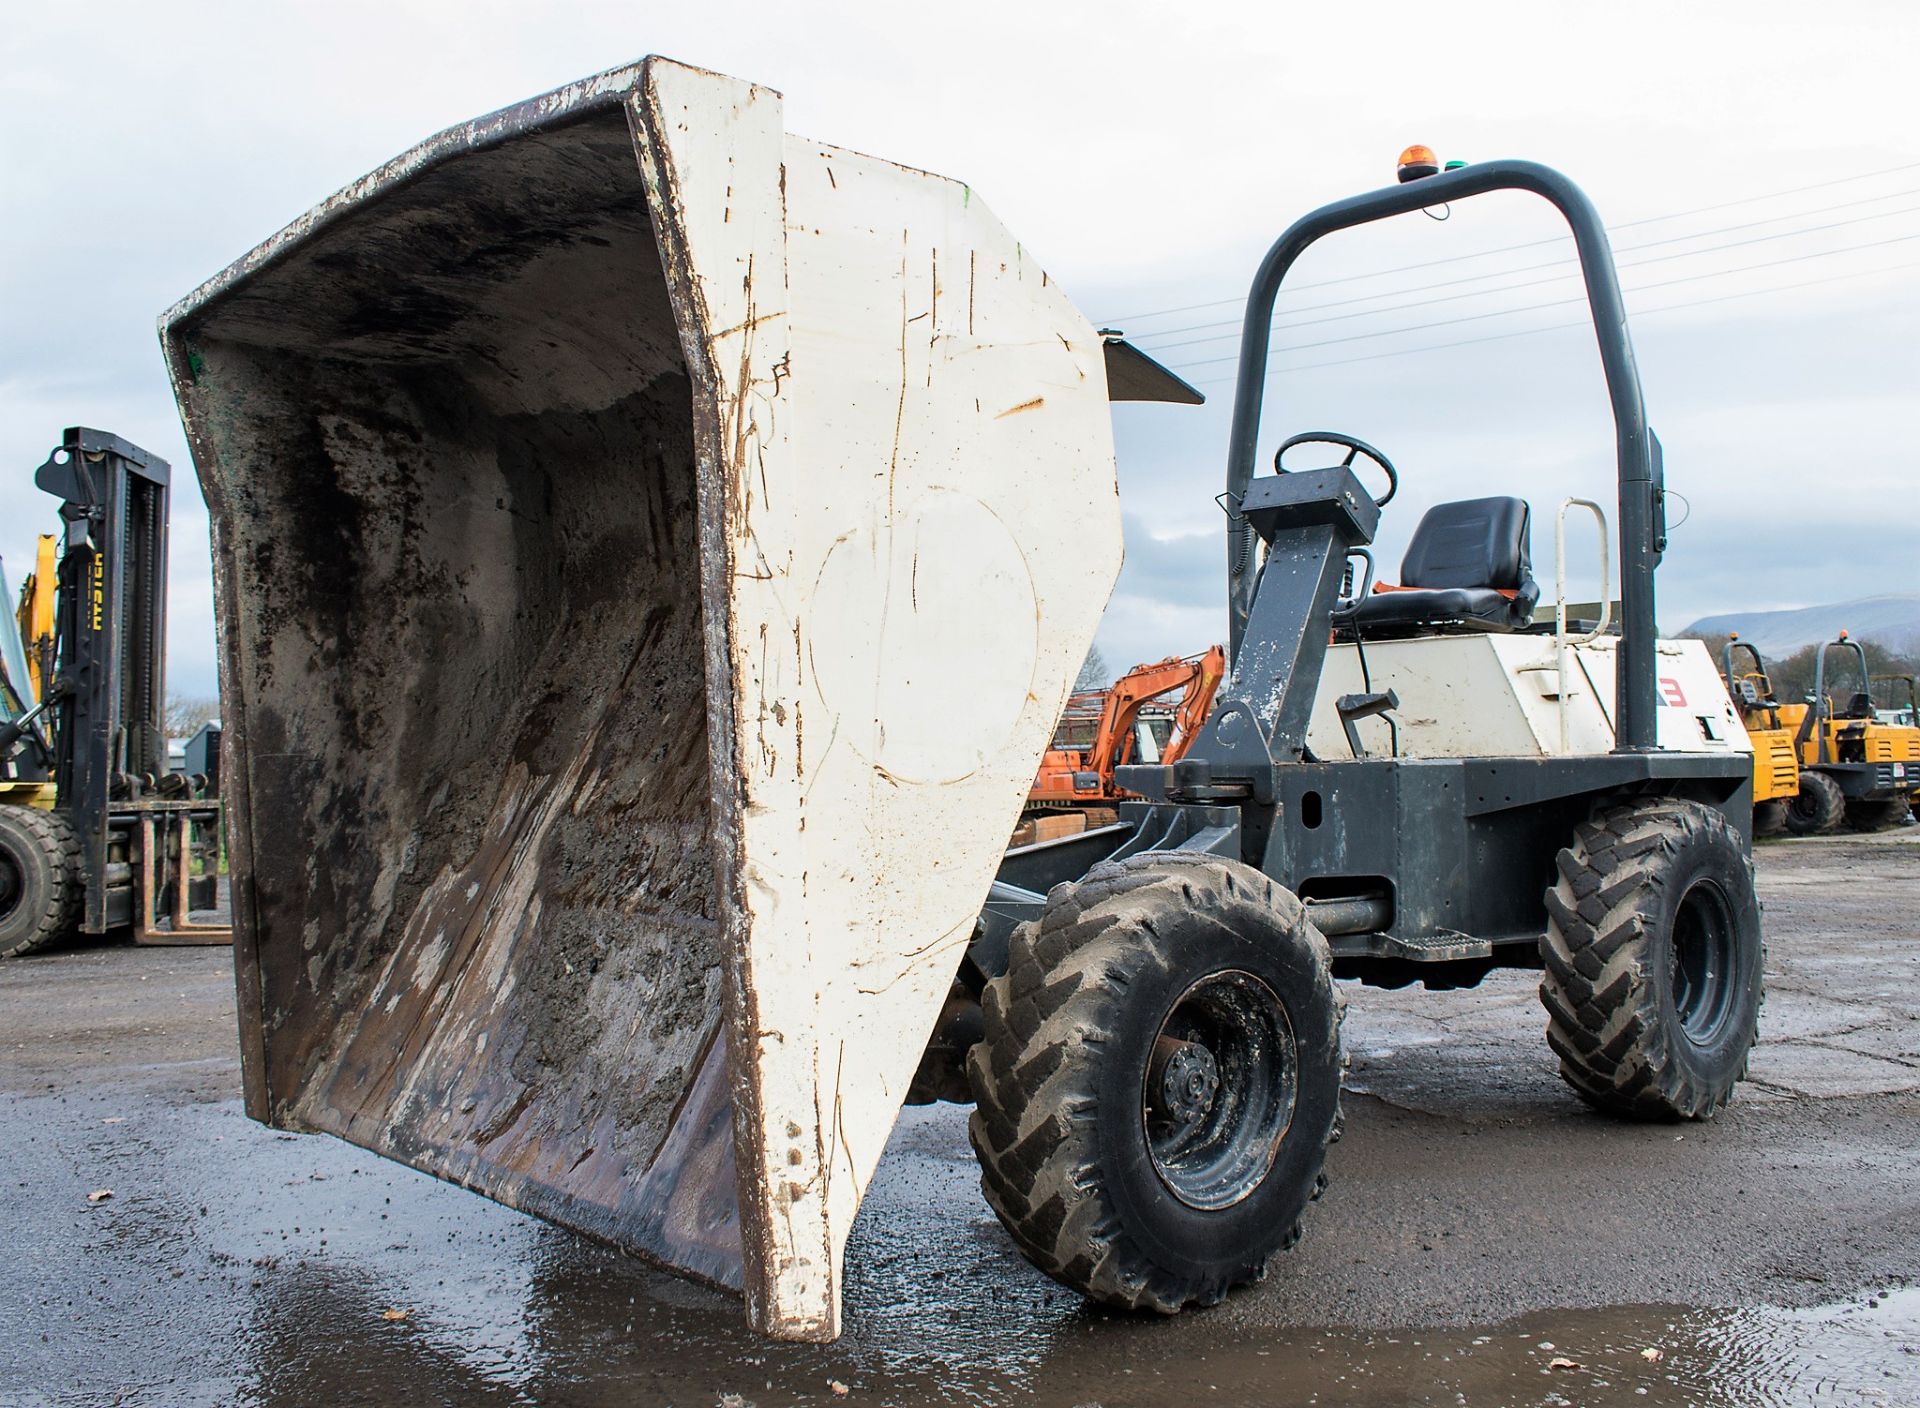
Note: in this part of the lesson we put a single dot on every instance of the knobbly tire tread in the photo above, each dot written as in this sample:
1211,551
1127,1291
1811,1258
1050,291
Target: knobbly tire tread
1032,1119
1819,808
59,844
1876,814
1602,997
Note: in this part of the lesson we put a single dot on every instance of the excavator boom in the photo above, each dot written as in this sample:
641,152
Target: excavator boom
1084,774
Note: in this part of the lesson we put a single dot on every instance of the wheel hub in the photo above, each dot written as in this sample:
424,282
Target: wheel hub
1188,1082
1219,1090
1703,966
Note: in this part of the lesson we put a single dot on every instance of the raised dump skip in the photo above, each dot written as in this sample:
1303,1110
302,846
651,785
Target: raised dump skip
640,629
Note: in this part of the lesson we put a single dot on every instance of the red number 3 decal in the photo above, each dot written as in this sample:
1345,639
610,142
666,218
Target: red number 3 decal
1671,693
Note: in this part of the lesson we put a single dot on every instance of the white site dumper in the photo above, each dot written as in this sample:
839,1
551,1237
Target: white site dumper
639,634
643,609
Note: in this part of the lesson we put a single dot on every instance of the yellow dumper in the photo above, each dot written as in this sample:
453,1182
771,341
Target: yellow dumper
1853,768
1776,767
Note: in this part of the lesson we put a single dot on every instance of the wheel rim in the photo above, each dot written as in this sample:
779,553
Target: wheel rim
1703,961
12,884
1220,1089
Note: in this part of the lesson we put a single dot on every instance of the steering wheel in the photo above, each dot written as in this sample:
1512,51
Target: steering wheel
1352,446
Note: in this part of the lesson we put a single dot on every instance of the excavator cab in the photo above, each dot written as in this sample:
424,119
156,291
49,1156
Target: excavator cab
1127,723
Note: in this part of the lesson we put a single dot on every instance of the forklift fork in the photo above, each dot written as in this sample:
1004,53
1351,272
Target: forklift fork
166,853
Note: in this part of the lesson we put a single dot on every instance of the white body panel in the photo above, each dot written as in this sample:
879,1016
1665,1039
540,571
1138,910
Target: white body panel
1467,696
1695,713
901,399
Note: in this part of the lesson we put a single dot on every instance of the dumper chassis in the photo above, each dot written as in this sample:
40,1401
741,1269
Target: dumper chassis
1158,1066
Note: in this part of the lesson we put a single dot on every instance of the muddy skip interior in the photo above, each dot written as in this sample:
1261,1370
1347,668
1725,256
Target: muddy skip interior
464,645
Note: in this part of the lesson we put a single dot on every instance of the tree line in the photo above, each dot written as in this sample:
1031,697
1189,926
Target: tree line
1792,675
183,714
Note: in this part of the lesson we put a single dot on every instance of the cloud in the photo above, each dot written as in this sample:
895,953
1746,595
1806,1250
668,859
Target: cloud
1149,159
1179,569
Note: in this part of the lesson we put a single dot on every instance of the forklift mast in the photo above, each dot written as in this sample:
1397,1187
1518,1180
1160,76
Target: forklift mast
109,741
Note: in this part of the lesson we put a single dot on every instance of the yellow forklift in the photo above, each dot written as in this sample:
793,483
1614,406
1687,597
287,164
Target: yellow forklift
1776,766
98,832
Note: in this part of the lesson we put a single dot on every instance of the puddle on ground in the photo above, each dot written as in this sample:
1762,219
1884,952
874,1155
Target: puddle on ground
239,1266
586,1335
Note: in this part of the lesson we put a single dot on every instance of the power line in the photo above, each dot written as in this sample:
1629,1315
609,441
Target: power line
1290,322
1534,244
1577,323
1145,339
1557,302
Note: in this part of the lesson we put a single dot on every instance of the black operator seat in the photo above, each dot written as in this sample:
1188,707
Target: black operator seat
1467,568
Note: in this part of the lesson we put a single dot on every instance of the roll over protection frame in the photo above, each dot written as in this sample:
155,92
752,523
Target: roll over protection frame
1642,516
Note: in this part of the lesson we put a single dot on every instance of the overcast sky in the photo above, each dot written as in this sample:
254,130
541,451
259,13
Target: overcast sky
1147,154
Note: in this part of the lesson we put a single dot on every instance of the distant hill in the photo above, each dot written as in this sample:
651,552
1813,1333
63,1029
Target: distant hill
1891,621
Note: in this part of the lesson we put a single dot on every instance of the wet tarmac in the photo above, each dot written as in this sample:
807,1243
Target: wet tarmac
1487,1241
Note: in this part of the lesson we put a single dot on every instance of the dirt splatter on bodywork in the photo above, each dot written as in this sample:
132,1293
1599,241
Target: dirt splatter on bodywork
464,643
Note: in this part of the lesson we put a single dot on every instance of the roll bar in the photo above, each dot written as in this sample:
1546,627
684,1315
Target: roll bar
1913,691
1642,513
1726,658
1821,707
1845,642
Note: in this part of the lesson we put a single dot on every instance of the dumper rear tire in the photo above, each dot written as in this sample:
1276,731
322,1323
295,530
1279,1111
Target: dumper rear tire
1876,814
1653,961
1159,1080
1818,807
1770,818
40,884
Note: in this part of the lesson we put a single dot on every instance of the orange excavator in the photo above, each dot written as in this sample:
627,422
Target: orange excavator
1101,729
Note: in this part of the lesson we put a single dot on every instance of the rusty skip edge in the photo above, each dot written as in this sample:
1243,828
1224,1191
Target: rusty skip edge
716,479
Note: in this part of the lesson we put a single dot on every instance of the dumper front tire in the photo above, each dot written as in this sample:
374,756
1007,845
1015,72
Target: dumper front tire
1159,1080
1653,961
40,882
1818,807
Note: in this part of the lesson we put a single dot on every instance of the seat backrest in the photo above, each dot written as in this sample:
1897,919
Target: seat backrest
1471,543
